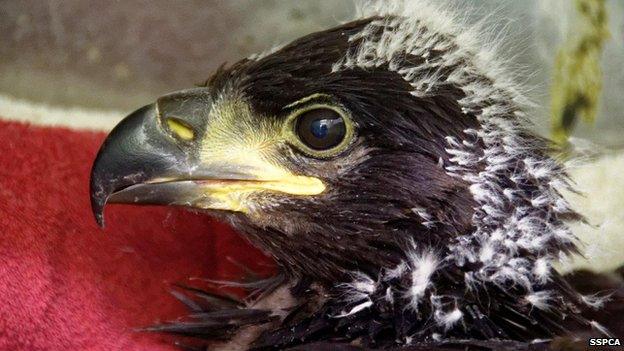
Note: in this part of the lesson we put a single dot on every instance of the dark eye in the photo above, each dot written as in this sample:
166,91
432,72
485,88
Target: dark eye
321,128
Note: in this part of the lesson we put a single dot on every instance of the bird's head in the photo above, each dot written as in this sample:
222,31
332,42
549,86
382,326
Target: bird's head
344,150
327,169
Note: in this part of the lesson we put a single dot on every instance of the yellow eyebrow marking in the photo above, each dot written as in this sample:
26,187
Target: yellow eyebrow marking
306,99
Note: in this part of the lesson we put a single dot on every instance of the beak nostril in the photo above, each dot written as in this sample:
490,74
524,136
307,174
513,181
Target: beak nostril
180,129
183,114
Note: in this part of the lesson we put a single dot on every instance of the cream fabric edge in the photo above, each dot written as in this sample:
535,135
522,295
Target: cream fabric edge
80,118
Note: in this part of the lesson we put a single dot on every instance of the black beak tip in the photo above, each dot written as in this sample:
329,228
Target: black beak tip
99,217
136,150
110,161
97,206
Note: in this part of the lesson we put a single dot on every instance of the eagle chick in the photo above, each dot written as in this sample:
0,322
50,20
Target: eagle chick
389,168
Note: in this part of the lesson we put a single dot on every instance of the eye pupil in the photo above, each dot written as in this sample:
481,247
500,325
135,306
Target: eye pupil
320,128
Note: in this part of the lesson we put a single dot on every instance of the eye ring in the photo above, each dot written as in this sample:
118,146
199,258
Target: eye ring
319,130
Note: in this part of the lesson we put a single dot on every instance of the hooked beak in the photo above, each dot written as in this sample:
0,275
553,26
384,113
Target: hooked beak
153,156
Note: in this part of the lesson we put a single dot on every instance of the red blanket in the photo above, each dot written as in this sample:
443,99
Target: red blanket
66,284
